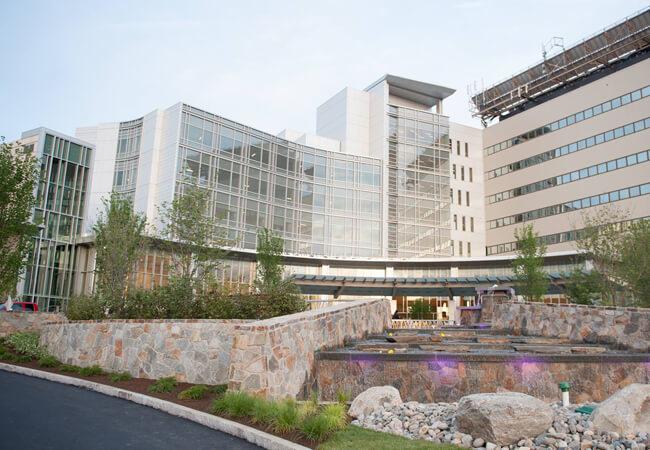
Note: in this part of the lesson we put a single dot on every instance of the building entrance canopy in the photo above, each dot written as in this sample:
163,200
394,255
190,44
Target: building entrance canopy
408,287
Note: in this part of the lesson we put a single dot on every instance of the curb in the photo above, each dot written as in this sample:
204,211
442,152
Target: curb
250,434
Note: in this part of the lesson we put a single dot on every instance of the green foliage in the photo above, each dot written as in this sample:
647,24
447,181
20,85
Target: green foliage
48,361
316,427
354,438
219,389
342,397
336,414
26,343
194,393
85,308
287,418
120,376
235,404
18,177
162,385
420,310
90,371
119,242
634,266
264,411
583,287
69,368
532,281
269,260
307,408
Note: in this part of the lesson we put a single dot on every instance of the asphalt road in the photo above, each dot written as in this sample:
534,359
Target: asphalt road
40,414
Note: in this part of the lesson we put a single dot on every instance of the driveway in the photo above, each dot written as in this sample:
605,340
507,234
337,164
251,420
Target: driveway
40,414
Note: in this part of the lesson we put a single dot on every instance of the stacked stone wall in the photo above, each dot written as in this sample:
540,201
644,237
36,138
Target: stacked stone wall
275,357
625,328
13,322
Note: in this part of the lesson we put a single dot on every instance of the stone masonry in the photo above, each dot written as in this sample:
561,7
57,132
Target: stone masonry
14,322
627,328
195,351
275,357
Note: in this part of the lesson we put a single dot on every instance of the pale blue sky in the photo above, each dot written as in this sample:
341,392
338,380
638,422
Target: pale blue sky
266,64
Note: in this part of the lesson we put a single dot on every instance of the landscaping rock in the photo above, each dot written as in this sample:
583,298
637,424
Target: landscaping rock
625,412
373,398
503,418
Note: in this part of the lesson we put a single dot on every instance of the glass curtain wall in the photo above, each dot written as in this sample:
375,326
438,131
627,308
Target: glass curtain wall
320,202
61,193
418,183
127,156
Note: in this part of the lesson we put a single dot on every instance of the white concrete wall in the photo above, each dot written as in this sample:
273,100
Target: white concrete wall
345,117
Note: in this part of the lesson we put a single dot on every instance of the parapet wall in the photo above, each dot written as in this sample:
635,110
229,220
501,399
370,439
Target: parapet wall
14,322
195,351
627,328
275,357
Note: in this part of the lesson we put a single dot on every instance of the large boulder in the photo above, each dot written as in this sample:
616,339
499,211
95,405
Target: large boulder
372,399
625,412
503,418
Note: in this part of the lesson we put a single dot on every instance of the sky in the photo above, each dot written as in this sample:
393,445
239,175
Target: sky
267,64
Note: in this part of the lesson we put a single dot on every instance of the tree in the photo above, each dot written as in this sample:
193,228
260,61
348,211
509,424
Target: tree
420,310
269,260
119,242
601,240
18,177
193,239
583,287
634,266
527,267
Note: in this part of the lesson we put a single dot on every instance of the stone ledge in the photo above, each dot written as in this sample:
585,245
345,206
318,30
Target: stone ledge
247,433
576,305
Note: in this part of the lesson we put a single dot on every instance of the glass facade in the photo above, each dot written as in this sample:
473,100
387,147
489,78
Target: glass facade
320,202
418,183
126,159
61,196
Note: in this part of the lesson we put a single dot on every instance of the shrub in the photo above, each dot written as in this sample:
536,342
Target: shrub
264,411
91,371
336,414
69,368
120,376
21,358
162,385
342,397
219,389
26,344
235,404
85,308
194,393
287,418
316,427
307,408
48,361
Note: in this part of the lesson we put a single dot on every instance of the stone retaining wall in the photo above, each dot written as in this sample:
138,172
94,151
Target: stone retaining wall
12,322
275,357
447,378
195,351
627,328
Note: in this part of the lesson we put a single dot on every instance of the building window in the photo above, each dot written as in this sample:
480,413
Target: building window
460,248
462,173
458,148
455,222
466,150
471,224
451,194
464,228
453,170
453,248
467,197
469,249
460,197
471,175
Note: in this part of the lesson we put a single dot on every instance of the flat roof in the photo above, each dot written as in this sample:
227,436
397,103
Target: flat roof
418,91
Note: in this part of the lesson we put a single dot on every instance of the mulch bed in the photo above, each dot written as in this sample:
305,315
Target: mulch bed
140,385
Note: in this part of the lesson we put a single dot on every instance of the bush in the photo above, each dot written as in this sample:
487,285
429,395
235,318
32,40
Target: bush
91,371
194,393
219,389
48,361
287,418
235,404
264,411
330,419
337,415
120,376
342,397
162,385
26,344
69,368
85,308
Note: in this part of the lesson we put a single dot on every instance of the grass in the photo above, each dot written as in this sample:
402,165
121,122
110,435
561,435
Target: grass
235,404
194,393
90,371
354,438
287,418
219,389
120,376
69,368
264,411
162,385
48,361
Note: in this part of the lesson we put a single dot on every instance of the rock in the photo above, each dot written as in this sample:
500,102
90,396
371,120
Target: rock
503,418
396,426
490,446
478,442
371,399
627,411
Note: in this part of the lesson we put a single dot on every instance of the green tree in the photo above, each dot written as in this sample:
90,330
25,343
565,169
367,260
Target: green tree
119,242
634,266
269,260
18,176
583,287
532,280
193,238
420,310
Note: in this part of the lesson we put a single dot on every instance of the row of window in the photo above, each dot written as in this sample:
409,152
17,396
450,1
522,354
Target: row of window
66,150
460,246
570,120
464,223
411,113
459,197
587,202
630,128
470,173
466,146
549,239
596,169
